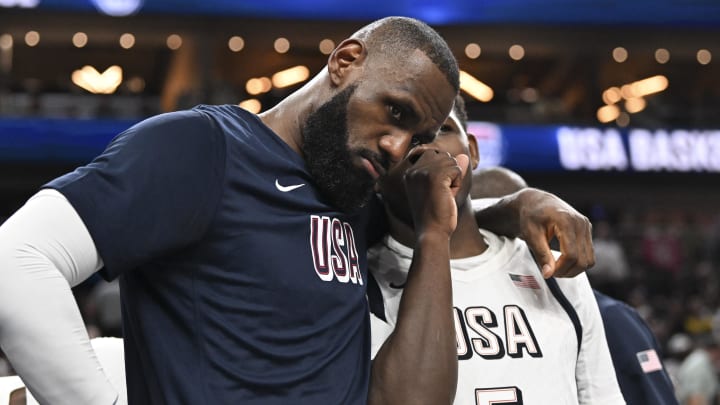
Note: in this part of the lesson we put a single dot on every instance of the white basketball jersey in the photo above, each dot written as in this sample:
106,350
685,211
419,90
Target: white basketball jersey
517,335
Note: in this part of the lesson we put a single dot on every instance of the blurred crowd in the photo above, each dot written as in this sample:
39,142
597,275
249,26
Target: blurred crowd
665,264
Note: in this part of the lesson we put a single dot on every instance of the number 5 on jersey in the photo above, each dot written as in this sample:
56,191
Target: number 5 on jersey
499,395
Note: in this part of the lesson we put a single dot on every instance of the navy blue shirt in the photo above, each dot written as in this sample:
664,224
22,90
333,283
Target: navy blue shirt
240,284
629,340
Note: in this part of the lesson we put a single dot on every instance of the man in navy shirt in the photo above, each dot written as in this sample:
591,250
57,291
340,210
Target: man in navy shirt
636,354
239,240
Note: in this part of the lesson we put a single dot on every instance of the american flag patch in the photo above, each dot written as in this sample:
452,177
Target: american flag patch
649,361
524,281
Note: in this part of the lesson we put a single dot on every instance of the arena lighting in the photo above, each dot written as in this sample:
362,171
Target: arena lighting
475,88
326,46
174,42
258,85
251,104
651,85
626,91
516,52
253,86
127,40
662,56
607,113
635,105
704,56
32,38
640,88
620,54
80,39
473,50
288,77
281,45
6,42
612,95
95,82
265,84
236,43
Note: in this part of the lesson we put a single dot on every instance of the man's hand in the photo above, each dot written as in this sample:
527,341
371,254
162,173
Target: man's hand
544,216
536,217
432,180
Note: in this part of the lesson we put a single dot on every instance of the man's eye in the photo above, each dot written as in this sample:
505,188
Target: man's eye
415,141
395,112
446,128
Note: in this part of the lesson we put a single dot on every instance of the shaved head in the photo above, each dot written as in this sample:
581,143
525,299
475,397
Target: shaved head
397,37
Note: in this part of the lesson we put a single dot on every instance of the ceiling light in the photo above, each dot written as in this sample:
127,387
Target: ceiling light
80,39
236,43
291,76
326,46
281,45
32,38
620,54
473,50
127,41
704,56
516,52
475,88
607,113
251,104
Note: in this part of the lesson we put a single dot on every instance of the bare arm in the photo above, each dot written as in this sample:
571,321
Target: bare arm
536,217
44,250
417,364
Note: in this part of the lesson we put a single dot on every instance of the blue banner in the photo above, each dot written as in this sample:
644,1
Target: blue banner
530,148
657,12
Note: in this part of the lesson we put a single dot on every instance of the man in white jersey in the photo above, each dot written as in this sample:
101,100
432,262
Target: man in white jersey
521,339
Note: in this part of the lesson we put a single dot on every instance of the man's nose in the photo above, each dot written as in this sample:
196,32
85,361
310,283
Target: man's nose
396,144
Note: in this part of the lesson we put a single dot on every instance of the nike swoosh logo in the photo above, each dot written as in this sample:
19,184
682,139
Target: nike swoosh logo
285,189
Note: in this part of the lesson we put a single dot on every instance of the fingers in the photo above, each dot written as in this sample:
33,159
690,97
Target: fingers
577,253
544,258
463,163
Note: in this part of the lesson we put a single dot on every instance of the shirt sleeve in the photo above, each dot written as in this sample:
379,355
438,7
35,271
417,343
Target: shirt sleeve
153,190
636,356
595,374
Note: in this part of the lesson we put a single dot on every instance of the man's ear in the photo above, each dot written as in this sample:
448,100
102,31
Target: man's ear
345,58
474,152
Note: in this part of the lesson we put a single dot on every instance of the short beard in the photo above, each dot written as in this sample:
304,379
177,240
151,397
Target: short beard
329,159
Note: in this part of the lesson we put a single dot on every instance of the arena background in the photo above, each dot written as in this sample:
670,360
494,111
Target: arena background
556,90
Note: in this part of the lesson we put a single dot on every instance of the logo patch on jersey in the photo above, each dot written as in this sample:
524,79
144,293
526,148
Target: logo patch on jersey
649,361
333,249
285,189
524,281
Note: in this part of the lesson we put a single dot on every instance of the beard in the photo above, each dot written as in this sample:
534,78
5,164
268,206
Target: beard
329,159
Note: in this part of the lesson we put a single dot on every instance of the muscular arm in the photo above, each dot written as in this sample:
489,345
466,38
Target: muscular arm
536,217
44,250
417,364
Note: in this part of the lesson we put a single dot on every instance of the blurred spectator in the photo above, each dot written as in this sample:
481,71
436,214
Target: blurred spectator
697,377
661,252
678,348
611,269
